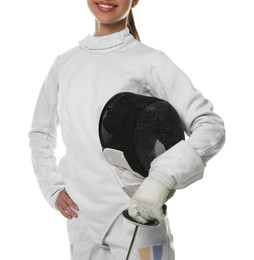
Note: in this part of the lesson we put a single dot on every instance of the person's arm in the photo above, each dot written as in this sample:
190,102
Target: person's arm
184,163
43,135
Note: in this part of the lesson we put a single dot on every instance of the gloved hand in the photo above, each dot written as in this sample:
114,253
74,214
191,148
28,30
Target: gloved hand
147,202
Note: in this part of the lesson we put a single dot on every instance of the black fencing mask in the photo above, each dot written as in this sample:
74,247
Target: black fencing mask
135,129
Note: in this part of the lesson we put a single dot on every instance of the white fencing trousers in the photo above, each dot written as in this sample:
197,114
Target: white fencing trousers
153,243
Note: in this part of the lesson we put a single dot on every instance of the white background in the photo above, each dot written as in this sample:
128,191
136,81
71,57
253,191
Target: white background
212,41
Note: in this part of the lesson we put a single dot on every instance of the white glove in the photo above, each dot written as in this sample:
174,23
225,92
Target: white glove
146,203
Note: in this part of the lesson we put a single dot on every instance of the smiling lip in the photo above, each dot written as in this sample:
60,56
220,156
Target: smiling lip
105,6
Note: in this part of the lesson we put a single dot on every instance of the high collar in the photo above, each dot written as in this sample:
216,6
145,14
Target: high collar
107,43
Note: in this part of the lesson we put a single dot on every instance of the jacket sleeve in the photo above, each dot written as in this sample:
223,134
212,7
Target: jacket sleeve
43,134
184,163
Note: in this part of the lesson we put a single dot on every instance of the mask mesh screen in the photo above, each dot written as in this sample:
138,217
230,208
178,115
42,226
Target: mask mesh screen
157,129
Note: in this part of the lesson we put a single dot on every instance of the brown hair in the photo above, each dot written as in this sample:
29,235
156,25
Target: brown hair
132,27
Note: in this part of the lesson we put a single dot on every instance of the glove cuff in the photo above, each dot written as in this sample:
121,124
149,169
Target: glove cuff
168,183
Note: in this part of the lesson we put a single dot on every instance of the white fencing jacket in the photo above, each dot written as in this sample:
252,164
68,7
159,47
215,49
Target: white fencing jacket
78,85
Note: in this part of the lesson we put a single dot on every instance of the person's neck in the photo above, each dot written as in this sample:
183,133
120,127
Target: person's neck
106,29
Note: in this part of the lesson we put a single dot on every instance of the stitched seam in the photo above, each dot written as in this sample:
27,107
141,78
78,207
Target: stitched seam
212,147
49,126
67,63
146,70
107,50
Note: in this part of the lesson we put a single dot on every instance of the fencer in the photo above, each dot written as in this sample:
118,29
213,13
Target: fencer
78,85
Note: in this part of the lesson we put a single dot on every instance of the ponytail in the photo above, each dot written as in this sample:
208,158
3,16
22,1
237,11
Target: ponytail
131,26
